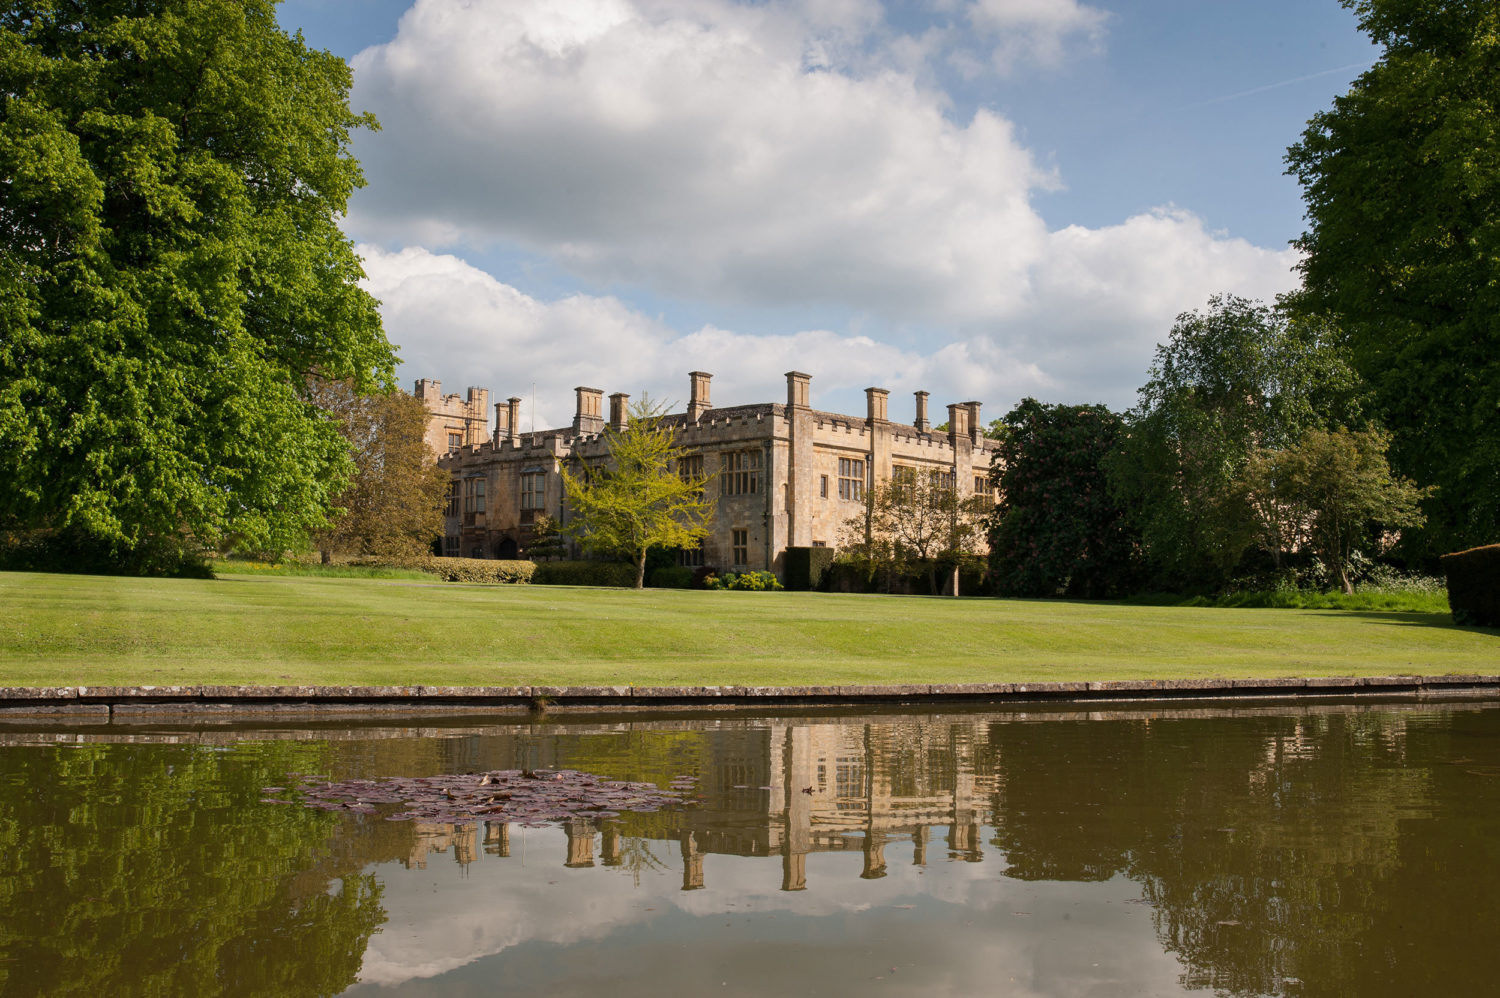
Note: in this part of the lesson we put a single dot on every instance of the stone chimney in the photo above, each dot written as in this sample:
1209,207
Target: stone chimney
976,428
958,421
698,402
502,423
798,390
921,422
875,404
619,411
588,417
513,421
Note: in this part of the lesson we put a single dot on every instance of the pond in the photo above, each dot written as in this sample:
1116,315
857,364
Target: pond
1271,849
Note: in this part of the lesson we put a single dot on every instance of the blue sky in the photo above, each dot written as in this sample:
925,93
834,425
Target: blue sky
982,198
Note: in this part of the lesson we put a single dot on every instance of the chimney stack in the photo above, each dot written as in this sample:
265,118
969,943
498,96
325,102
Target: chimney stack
619,412
921,422
798,390
698,402
588,417
958,421
875,404
976,428
513,421
502,423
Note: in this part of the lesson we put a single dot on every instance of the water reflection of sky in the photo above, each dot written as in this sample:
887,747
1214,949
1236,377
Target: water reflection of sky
521,923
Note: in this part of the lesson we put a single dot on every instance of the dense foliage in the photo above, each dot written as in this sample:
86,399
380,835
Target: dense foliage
1474,585
1057,529
1328,493
171,269
1401,179
1232,378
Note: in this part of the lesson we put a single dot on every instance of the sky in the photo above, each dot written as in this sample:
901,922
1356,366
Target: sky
982,199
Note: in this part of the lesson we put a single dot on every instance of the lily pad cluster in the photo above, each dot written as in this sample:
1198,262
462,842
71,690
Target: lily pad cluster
526,797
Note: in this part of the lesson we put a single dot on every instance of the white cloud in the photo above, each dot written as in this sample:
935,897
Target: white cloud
1083,335
701,155
770,156
1035,30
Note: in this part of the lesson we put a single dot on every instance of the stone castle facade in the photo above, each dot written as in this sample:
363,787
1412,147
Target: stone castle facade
788,475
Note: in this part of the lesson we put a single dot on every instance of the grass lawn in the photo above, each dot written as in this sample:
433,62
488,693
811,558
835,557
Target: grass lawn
71,630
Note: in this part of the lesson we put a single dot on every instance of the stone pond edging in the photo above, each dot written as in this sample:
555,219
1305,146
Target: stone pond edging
105,702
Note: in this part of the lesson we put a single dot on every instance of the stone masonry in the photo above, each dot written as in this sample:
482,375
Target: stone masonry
452,421
788,475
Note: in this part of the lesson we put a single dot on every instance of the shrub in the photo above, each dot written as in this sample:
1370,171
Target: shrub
481,570
585,573
746,581
671,577
1474,585
702,574
805,567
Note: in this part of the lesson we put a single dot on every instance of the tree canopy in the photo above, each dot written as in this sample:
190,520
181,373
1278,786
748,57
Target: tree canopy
1237,376
640,499
393,505
1327,492
1058,530
1401,179
171,269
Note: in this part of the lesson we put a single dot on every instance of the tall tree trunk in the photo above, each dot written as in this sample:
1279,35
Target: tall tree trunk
640,570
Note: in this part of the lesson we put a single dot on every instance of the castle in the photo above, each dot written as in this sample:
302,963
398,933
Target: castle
788,475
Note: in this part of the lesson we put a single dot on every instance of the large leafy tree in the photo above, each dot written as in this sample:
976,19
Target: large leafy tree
1236,376
171,268
1402,185
1058,530
640,499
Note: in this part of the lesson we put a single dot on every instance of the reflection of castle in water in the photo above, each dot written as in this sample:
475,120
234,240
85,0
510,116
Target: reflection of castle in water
786,790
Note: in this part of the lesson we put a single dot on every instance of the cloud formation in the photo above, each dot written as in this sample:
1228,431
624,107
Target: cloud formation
783,155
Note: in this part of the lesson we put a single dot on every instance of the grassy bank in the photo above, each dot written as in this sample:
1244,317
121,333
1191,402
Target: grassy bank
89,630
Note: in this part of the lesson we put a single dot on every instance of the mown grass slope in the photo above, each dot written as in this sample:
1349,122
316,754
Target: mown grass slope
89,630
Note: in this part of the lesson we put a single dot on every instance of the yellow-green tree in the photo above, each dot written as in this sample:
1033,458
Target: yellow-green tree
639,499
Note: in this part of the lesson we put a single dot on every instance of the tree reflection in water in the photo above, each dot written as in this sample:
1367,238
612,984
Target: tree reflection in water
147,870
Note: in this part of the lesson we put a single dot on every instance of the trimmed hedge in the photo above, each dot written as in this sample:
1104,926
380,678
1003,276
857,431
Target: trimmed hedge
585,573
671,577
481,570
805,567
1474,585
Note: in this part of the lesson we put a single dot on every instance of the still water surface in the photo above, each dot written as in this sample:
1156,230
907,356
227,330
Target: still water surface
1287,850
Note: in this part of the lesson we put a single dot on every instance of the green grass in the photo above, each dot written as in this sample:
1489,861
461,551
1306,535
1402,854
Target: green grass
88,630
